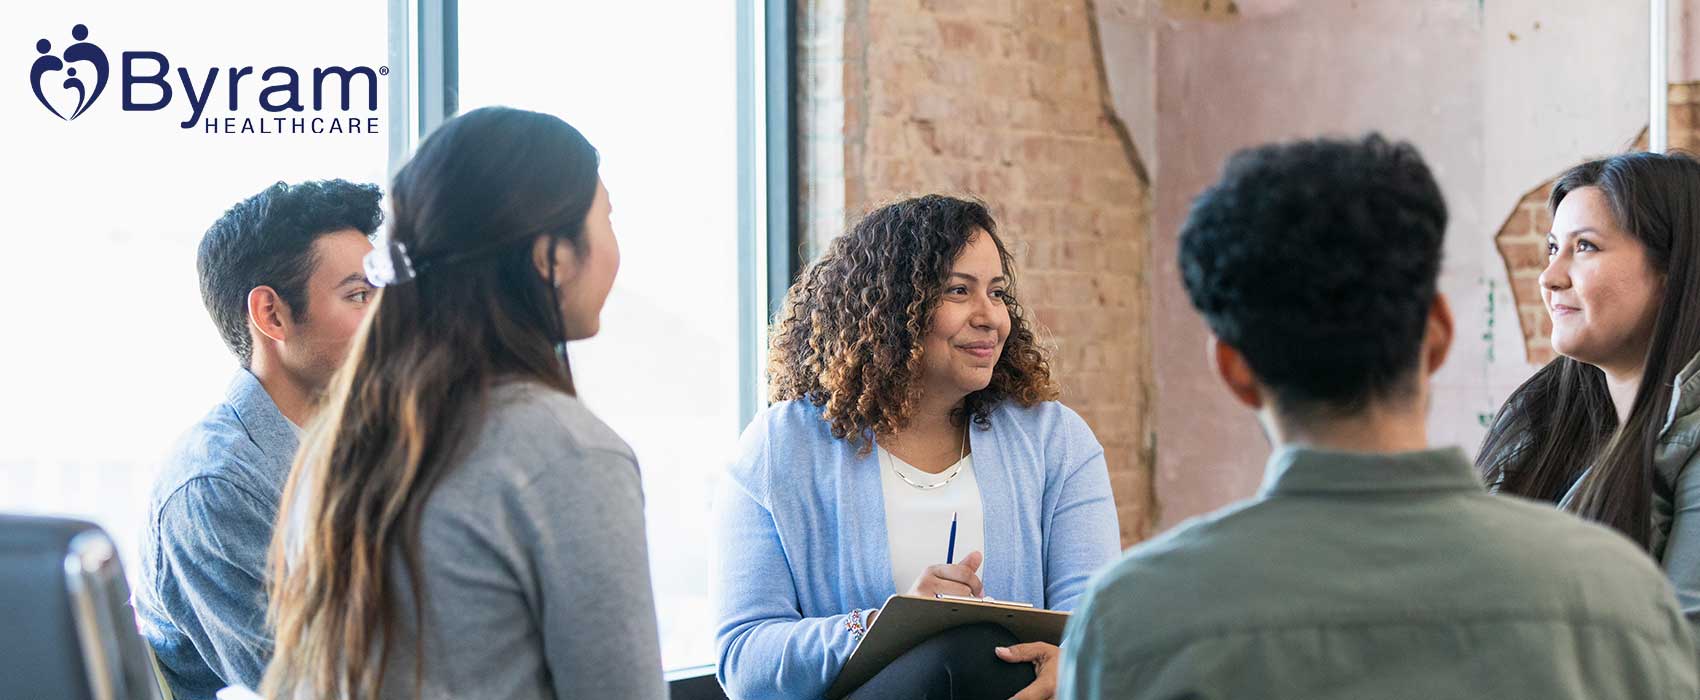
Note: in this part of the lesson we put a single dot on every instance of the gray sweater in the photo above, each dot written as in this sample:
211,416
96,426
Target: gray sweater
535,564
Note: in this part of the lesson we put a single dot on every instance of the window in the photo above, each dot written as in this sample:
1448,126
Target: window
669,370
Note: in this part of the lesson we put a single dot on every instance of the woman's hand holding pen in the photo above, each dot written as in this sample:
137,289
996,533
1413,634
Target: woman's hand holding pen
961,578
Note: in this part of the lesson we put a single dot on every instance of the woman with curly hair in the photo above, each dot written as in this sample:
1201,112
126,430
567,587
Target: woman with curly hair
909,393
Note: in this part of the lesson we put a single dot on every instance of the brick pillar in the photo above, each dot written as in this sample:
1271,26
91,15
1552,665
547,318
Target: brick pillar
1004,100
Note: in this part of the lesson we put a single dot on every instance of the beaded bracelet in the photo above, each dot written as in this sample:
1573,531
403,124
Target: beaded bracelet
853,622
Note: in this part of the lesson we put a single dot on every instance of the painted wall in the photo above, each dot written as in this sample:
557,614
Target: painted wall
1499,95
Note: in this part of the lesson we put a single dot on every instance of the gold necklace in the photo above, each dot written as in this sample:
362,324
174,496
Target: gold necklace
961,452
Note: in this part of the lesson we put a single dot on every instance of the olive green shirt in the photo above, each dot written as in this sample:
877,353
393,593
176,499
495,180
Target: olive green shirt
1380,576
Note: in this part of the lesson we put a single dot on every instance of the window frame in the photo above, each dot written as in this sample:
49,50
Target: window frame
424,50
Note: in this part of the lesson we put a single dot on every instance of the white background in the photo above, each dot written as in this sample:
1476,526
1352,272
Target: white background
108,353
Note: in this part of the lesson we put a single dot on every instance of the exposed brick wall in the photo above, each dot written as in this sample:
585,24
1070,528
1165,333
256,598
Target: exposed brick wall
1522,244
1522,237
1004,100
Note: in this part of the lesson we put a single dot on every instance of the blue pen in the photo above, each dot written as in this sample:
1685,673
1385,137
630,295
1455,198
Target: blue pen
950,553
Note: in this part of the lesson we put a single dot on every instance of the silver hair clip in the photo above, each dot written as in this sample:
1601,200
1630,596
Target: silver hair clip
388,264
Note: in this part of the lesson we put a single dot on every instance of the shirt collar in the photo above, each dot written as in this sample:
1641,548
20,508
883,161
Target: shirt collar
266,425
1295,469
1685,393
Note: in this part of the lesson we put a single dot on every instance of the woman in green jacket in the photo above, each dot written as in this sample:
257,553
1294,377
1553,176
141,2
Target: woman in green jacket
1611,429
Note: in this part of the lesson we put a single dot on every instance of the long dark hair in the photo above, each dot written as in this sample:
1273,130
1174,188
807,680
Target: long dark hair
1561,421
469,207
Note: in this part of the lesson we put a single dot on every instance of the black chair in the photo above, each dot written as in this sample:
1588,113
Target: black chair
69,632
696,683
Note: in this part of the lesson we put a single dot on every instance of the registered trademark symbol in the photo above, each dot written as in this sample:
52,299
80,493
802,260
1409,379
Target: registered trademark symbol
383,70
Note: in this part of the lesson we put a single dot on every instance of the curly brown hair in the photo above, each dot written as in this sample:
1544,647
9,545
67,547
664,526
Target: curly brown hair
849,336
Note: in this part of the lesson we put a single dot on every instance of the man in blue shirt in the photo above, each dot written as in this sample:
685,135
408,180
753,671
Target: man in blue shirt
1369,565
282,278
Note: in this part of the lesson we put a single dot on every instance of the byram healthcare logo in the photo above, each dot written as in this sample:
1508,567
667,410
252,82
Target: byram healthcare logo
68,84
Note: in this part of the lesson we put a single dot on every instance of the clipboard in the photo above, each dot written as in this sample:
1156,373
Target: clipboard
905,621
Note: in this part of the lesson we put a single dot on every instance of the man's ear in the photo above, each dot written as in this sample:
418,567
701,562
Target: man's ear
1437,334
268,313
1235,373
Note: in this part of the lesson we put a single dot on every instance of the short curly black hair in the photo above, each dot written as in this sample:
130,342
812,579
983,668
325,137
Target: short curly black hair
267,240
1317,260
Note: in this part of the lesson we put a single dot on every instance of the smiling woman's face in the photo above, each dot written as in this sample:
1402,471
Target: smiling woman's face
971,322
1599,286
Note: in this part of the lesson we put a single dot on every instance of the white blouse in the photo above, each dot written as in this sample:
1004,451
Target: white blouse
917,520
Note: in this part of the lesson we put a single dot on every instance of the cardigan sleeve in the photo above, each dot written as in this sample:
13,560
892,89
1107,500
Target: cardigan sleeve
767,649
1081,531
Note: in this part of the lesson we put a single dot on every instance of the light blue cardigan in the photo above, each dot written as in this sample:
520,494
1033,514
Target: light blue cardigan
802,540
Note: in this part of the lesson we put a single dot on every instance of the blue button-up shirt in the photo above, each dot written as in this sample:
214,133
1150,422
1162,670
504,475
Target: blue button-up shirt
1380,576
200,598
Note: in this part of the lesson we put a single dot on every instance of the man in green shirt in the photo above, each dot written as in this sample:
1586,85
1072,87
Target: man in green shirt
1369,565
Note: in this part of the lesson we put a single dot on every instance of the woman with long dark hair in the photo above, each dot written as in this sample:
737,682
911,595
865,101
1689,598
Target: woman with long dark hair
457,524
914,410
1610,430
